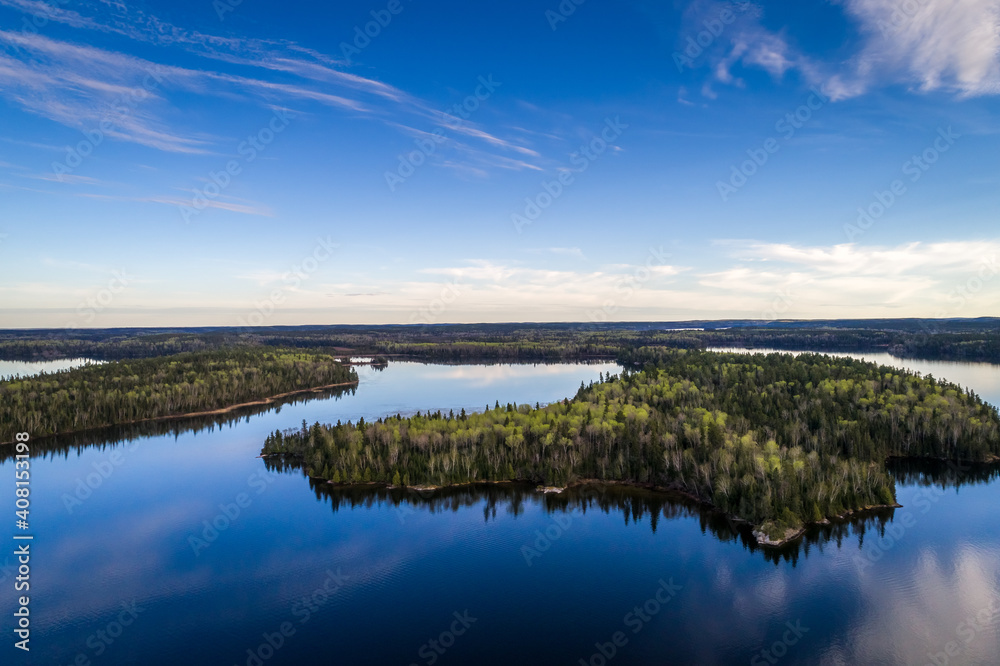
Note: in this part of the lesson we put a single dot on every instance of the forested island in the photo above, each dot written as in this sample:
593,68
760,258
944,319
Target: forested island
775,440
113,393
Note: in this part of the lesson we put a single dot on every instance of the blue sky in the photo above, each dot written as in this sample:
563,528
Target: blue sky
200,163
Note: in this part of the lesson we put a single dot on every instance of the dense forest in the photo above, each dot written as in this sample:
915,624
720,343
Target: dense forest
775,440
98,395
109,345
965,340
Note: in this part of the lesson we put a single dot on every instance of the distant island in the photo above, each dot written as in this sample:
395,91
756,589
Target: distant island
180,385
776,440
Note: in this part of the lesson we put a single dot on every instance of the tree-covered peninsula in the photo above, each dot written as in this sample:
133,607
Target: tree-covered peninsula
776,440
97,395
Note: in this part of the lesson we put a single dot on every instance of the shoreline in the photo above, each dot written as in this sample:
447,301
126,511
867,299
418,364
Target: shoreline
763,540
993,460
209,412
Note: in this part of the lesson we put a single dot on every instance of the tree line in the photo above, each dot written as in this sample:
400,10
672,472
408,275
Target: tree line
964,340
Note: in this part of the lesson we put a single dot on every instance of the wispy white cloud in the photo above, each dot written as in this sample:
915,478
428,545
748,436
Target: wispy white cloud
451,152
232,207
68,178
32,144
76,265
455,125
915,279
561,251
179,202
936,44
262,277
117,96
852,259
489,285
950,45
79,86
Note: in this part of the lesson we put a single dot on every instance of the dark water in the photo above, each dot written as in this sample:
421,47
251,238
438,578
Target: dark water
134,572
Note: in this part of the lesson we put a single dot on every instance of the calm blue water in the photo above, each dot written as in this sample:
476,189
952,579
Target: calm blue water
500,576
9,369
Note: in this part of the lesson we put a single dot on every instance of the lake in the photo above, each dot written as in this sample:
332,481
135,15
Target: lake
185,548
9,369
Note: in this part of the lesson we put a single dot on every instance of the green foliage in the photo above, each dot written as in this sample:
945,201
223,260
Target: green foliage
97,395
773,439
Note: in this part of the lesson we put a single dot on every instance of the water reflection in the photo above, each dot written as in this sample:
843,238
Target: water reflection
940,473
945,610
640,506
636,506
